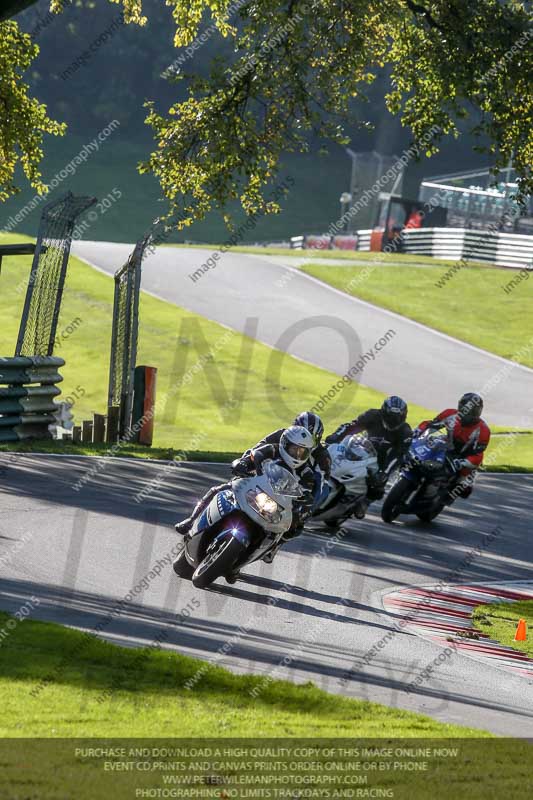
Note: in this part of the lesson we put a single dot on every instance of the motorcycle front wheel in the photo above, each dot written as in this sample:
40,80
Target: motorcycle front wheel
181,566
221,557
393,502
429,516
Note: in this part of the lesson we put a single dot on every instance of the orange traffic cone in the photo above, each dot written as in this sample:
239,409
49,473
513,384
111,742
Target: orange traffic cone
521,631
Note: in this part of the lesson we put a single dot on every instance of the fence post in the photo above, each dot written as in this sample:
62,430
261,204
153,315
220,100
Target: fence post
87,431
98,428
112,424
144,404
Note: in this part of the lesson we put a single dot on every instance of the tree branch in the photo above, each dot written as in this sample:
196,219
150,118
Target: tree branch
416,8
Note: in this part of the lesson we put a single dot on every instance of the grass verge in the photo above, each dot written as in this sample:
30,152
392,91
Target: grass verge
231,390
499,620
58,683
223,390
458,308
118,691
506,454
337,255
513,453
127,451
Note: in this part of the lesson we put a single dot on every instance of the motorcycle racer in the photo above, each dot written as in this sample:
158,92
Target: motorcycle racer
294,449
320,458
387,424
469,436
389,432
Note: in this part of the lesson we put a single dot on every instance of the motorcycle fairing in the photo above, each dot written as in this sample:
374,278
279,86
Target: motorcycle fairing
234,524
222,504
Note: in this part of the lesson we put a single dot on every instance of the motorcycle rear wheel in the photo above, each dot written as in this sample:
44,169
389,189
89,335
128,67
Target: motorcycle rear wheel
218,561
392,503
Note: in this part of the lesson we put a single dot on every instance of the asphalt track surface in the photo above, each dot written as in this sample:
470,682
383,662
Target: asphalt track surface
305,617
299,315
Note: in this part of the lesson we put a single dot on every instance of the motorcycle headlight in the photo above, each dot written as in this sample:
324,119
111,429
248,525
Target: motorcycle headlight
265,505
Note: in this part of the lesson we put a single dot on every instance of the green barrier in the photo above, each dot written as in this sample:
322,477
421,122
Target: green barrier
8,436
29,405
18,376
9,392
26,410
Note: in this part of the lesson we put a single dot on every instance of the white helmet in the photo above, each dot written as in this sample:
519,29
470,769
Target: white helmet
359,448
295,446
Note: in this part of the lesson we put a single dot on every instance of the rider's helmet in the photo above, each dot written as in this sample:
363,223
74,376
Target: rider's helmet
295,446
469,408
393,412
359,448
312,422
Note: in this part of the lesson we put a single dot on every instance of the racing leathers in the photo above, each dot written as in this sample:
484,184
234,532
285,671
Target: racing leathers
268,448
320,460
468,442
251,464
389,443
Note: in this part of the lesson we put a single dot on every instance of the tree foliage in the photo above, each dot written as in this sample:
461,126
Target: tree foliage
299,65
296,68
23,120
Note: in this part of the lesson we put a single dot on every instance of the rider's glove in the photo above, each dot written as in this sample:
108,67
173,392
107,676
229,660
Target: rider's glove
240,467
459,463
375,482
303,508
305,503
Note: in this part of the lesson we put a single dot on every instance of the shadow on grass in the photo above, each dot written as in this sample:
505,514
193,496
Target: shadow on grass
45,654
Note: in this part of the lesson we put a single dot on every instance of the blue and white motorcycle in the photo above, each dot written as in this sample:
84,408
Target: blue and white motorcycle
240,525
421,487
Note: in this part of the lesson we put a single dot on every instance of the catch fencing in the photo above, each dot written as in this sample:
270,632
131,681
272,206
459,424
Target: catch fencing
125,334
40,316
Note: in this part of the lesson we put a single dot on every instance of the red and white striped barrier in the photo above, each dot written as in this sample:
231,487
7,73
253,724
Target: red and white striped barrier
444,613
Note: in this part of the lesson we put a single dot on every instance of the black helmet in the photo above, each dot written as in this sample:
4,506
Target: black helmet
469,408
394,412
313,423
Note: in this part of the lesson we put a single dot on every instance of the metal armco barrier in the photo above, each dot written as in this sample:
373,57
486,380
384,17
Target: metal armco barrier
363,239
513,250
360,240
297,242
27,392
505,249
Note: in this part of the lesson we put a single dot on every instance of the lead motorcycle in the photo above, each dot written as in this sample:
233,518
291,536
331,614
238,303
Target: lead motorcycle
239,526
422,484
353,460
